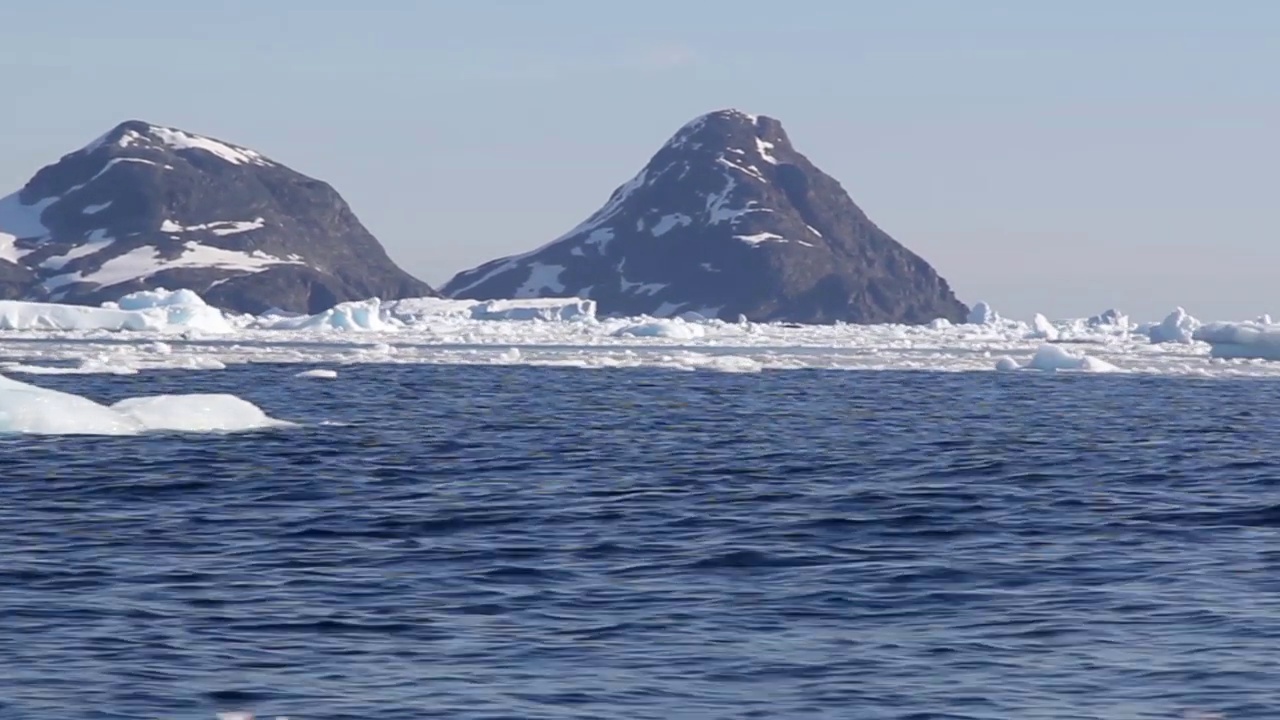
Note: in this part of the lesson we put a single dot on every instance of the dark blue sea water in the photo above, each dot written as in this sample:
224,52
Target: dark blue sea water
507,542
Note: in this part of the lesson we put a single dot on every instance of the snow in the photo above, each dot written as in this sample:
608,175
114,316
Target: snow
113,162
97,241
95,209
34,410
765,148
759,238
542,279
598,237
220,228
667,309
145,261
667,223
636,288
179,140
750,170
19,221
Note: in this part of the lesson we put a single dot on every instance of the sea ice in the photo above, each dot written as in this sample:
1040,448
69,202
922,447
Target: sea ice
1255,341
1055,357
318,373
354,315
39,411
1178,327
983,314
674,328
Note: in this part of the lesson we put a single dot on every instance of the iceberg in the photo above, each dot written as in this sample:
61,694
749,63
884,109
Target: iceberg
35,410
1178,327
1238,341
179,308
674,329
983,314
360,315
1042,329
153,310
1054,357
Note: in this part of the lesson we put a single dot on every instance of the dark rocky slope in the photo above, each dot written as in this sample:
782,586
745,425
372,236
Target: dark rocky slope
147,206
728,219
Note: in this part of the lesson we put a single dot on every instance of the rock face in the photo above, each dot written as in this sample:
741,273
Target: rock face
727,219
146,206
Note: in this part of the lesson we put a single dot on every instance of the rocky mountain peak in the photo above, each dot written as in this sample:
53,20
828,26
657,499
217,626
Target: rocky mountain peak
727,219
146,206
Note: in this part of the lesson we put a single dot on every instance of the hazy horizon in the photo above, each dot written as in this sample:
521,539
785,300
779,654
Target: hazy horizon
1044,159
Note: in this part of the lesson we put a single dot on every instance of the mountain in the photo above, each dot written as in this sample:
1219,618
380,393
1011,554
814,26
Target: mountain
146,206
727,219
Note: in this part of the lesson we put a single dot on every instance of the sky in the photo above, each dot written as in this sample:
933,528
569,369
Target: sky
1061,158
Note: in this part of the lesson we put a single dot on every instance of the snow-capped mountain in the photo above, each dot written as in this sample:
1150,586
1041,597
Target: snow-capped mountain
727,219
147,206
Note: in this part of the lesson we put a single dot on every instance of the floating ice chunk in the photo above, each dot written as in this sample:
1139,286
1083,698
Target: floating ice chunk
35,410
359,315
212,412
1178,327
675,329
1108,318
549,309
18,315
178,308
1054,357
1042,329
940,324
1254,341
318,373
1007,363
1263,319
983,314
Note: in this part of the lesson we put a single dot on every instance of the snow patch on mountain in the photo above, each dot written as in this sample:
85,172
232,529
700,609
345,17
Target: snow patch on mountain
220,228
145,261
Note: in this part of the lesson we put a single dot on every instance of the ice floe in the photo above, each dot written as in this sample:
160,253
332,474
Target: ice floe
30,409
176,329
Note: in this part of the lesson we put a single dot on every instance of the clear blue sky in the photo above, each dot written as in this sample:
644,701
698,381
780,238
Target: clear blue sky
1054,157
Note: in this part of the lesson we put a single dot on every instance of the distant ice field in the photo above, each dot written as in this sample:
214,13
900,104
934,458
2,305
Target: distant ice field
177,330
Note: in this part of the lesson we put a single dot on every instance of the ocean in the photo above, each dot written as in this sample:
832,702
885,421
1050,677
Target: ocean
484,542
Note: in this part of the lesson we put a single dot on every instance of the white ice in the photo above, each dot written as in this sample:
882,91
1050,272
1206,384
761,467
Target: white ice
1178,327
30,409
318,373
1056,357
163,329
1250,340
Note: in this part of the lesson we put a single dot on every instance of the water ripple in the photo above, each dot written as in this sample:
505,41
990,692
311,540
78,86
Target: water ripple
473,543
